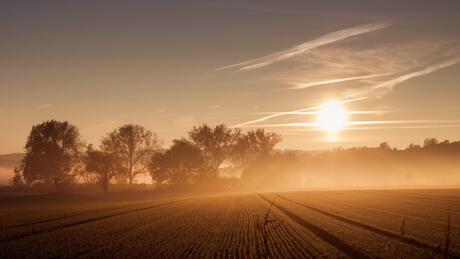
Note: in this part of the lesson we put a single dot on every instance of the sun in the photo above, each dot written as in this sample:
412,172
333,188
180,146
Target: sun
332,117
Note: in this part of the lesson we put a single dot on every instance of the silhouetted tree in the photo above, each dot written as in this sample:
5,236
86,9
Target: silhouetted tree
132,145
430,142
384,146
52,151
17,180
413,147
254,144
446,142
216,145
180,164
102,164
83,175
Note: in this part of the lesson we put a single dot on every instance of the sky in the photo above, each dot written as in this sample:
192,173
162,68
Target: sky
170,65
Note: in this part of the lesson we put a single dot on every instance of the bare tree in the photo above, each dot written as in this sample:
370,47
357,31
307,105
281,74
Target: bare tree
52,152
132,145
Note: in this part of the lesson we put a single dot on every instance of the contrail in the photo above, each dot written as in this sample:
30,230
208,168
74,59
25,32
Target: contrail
398,122
389,85
407,127
244,124
382,122
299,49
333,81
316,112
381,128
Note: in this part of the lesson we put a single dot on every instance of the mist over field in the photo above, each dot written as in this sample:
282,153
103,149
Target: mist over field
5,174
7,164
235,129
435,165
381,167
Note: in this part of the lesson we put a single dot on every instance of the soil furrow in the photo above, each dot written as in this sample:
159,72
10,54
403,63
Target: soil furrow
86,221
321,233
407,240
79,214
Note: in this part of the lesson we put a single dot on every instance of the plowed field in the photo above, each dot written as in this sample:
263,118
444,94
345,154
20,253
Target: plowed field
307,224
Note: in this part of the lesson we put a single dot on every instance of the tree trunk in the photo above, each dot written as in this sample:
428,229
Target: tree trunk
130,181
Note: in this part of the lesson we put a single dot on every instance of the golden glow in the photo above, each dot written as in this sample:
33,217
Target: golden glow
332,117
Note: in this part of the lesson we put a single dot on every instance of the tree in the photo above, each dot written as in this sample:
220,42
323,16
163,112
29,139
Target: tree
216,145
178,165
384,146
254,144
52,152
83,175
102,164
429,142
17,180
132,145
413,146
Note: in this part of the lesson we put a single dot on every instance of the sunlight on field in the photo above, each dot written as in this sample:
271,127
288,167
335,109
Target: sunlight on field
291,224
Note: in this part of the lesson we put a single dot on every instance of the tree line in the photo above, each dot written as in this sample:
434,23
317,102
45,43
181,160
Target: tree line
434,163
55,154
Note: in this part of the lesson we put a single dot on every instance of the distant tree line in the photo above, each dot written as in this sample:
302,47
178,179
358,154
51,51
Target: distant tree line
55,154
435,163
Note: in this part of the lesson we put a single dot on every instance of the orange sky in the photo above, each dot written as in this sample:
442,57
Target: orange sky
171,65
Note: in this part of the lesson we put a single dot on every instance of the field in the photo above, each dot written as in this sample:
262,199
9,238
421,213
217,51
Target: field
301,224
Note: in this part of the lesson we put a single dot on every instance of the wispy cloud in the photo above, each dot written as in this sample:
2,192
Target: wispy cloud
406,127
251,122
296,112
299,49
381,127
313,112
370,71
333,81
383,88
314,125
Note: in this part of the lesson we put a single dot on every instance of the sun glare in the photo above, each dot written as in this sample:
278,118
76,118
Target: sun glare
332,117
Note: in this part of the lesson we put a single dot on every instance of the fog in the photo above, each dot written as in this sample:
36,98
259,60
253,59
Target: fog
432,165
5,174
